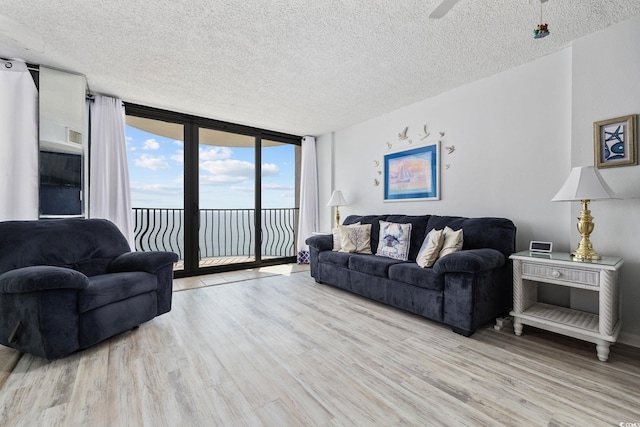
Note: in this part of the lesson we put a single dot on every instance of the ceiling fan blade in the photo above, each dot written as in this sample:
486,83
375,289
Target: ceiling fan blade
442,9
15,33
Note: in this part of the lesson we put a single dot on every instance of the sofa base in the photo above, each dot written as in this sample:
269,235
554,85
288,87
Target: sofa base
421,301
463,332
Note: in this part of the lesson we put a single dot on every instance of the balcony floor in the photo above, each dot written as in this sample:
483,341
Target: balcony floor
186,283
212,262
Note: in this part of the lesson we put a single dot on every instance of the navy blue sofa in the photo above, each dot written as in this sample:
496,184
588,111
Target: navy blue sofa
464,290
67,284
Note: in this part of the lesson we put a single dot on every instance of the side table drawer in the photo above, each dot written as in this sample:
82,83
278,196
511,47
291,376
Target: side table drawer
560,274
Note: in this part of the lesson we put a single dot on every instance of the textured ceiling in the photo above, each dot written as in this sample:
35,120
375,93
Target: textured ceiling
299,66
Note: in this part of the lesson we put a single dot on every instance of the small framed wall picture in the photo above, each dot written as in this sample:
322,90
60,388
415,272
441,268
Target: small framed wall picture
615,142
412,174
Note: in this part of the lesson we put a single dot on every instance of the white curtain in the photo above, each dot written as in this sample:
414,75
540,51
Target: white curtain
109,193
308,222
18,142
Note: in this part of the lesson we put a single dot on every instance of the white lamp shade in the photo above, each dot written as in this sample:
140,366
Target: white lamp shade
337,199
584,183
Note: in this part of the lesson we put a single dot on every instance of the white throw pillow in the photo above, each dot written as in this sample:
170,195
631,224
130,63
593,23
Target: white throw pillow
430,248
337,237
394,240
453,241
355,238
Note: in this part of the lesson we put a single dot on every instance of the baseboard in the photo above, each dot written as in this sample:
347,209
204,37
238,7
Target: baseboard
629,339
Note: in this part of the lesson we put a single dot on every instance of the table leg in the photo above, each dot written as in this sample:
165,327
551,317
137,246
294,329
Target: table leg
517,327
602,348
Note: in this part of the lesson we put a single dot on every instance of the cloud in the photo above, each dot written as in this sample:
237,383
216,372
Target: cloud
233,171
226,171
215,153
278,187
247,189
151,144
179,143
153,163
221,179
178,157
269,169
228,167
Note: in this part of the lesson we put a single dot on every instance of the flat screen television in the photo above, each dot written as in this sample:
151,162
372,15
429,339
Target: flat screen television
60,183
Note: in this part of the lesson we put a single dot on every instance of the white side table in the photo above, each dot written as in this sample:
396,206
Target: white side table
560,269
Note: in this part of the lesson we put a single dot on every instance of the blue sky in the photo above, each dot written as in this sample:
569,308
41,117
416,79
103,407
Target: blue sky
156,171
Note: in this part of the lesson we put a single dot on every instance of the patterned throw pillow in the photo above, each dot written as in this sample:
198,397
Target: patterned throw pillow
430,248
355,238
394,240
337,237
453,241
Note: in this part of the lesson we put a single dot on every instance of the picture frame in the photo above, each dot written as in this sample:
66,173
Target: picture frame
615,142
412,174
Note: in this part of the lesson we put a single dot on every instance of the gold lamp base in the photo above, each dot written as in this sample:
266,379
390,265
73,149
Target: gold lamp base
337,216
585,251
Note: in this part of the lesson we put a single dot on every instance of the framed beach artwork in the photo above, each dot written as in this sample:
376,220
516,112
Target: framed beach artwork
412,174
615,142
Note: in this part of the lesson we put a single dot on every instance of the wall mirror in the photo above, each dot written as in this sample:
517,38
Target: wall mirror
62,148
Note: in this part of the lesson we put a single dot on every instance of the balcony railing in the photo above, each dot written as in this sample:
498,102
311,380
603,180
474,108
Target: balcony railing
222,232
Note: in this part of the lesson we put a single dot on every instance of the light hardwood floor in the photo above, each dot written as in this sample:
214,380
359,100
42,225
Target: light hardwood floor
284,351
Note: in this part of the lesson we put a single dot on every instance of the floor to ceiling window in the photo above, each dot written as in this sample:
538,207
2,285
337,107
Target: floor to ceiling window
226,180
196,190
156,173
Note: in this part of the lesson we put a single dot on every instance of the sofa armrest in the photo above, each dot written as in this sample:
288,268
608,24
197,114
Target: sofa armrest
149,262
41,278
469,261
321,242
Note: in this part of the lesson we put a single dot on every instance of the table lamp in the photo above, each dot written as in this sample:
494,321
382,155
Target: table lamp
337,200
584,184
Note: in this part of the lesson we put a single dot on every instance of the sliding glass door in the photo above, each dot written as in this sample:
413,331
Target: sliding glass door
279,198
222,196
155,151
226,199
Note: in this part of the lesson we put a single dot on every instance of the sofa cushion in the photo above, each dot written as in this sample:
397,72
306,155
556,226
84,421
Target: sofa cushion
453,241
92,267
371,264
413,274
470,261
339,259
355,238
394,240
418,230
27,243
374,220
495,233
337,237
430,249
107,288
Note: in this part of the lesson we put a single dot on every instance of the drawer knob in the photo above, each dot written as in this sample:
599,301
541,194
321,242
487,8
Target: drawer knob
555,273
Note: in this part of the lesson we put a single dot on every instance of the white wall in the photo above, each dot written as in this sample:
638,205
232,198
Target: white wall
606,84
517,135
511,134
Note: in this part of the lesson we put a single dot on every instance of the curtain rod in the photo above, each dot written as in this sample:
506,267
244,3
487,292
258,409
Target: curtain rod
31,67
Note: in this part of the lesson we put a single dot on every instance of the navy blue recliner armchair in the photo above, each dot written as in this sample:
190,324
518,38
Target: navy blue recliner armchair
67,284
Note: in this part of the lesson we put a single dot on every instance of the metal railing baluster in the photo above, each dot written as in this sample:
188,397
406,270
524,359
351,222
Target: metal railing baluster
223,232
